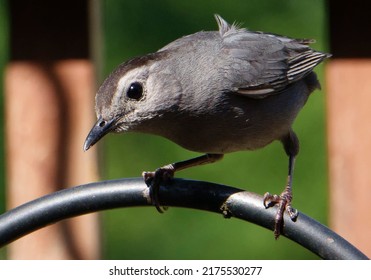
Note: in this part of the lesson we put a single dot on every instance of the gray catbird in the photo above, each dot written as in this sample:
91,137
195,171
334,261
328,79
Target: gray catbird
213,92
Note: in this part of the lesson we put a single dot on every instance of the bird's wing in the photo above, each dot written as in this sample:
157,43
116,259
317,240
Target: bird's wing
261,64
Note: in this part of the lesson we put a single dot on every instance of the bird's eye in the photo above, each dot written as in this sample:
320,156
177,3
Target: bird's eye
135,91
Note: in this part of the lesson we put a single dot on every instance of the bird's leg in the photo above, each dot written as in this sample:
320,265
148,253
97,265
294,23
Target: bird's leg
154,179
283,200
291,145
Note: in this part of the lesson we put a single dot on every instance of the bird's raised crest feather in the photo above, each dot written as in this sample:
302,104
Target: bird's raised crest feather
224,26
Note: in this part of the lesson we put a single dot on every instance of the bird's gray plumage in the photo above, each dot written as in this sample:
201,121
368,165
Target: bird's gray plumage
213,92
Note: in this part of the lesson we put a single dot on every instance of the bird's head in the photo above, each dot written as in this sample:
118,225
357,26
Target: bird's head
134,93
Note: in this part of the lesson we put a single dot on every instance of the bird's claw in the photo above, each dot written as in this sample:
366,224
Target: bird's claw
153,179
284,203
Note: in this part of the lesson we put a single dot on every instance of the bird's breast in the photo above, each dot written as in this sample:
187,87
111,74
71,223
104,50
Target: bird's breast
225,122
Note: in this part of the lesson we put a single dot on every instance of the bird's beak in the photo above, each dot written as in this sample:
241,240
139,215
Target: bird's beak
100,129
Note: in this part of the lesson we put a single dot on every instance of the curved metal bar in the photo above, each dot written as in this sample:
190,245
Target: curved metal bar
229,201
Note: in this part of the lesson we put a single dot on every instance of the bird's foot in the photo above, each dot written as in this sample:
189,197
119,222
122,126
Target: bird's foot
284,203
154,179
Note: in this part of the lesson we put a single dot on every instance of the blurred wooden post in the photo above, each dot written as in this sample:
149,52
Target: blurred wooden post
348,78
49,91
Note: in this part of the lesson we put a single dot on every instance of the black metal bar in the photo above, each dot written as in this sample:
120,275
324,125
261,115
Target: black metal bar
229,201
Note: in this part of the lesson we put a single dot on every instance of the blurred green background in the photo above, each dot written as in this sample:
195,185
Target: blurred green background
132,28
